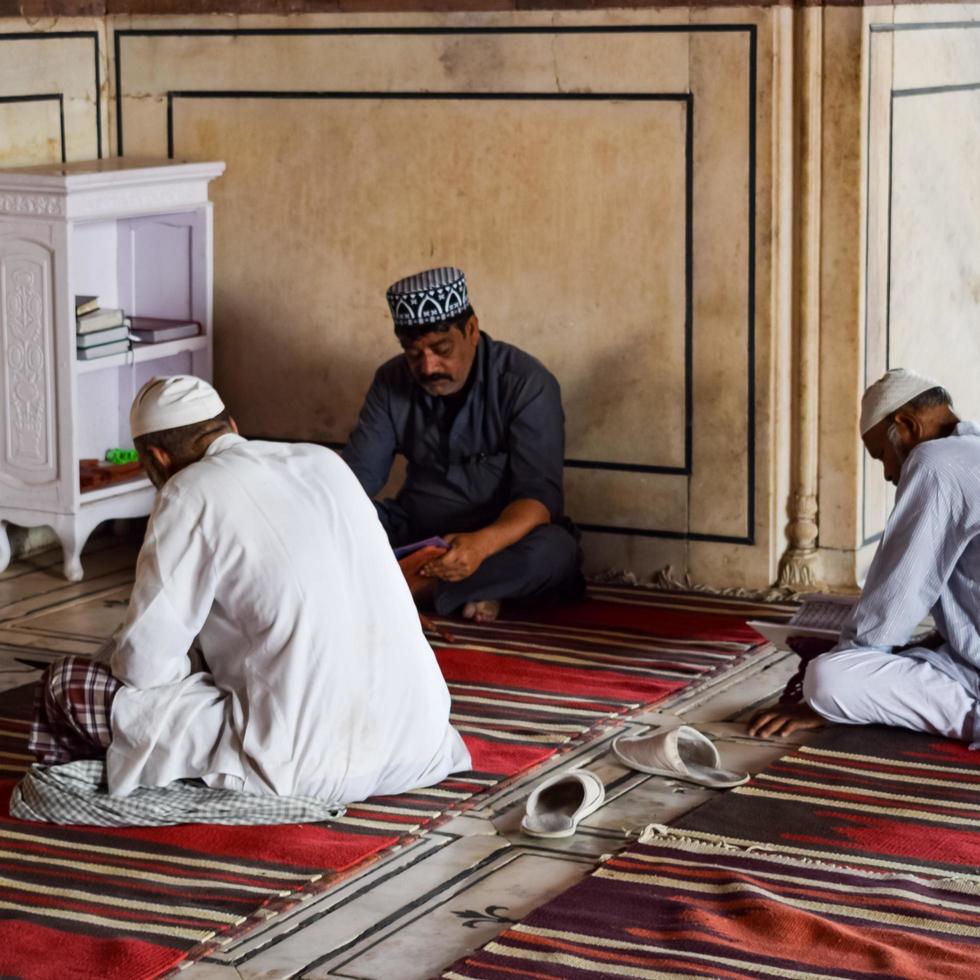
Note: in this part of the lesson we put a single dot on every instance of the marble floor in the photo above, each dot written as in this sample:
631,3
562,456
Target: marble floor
422,906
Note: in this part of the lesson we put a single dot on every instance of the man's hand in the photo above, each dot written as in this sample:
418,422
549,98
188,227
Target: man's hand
784,719
411,565
466,554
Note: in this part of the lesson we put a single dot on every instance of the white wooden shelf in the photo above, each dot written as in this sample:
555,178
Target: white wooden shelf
138,235
115,489
141,353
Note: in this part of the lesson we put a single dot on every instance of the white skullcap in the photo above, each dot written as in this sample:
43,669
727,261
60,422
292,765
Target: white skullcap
167,403
889,393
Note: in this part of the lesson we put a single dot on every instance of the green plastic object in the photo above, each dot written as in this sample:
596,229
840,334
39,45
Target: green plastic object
121,456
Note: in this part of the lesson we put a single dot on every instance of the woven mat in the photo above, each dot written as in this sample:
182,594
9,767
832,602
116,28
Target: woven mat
867,796
672,907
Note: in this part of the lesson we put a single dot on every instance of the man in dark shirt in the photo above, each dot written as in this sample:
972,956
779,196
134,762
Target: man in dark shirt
481,425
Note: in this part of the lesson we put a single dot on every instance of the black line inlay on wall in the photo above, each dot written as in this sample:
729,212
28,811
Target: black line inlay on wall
866,538
905,93
749,30
685,99
62,36
44,97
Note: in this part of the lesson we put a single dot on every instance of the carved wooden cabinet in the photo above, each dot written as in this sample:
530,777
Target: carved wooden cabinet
137,234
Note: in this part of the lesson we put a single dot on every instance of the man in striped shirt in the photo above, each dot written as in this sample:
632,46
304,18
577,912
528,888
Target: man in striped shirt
928,562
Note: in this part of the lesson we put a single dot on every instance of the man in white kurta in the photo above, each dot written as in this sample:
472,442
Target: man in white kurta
928,562
319,681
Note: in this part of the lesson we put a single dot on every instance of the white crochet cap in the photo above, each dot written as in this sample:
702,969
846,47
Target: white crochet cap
168,403
889,393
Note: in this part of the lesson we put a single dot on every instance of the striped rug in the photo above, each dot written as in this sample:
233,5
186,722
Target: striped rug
135,903
672,907
867,796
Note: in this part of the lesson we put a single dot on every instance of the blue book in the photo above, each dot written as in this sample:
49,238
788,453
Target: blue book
408,549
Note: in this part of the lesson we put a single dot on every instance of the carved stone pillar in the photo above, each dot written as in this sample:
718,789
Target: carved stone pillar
798,564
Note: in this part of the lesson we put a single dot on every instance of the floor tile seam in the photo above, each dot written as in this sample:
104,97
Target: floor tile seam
63,583
30,569
66,604
421,900
548,855
699,698
332,908
693,695
62,634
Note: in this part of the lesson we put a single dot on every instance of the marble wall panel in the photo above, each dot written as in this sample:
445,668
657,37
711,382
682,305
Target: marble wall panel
923,223
31,130
338,54
576,176
315,257
845,169
935,260
627,500
736,382
592,171
724,270
936,46
934,266
879,38
51,92
634,554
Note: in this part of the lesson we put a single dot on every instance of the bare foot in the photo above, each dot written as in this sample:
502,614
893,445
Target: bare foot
484,611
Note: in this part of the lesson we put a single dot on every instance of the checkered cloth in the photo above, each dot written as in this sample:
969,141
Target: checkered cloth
72,708
70,734
76,794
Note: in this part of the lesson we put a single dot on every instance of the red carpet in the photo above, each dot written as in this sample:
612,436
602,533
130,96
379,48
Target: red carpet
865,796
134,903
675,907
853,857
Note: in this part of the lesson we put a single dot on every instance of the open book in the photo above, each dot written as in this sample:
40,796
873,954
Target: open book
818,615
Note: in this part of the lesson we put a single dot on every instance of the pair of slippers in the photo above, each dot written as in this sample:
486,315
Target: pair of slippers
561,803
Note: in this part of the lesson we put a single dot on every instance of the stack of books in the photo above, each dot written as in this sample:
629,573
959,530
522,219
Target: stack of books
100,332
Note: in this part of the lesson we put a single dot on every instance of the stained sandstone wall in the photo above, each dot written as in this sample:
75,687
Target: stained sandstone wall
627,191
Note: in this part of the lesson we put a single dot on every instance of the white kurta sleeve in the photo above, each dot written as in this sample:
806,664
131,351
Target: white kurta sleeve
923,541
171,598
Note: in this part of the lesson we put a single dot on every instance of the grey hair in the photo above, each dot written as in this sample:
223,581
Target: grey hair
931,398
182,443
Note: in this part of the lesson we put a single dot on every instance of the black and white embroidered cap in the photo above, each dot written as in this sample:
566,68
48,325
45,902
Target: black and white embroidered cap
427,298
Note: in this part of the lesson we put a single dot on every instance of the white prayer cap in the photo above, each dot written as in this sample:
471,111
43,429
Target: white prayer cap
889,393
168,403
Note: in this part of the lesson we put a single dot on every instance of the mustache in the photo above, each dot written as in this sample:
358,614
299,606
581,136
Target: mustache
428,379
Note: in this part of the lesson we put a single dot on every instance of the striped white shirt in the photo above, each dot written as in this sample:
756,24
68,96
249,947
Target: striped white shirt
929,559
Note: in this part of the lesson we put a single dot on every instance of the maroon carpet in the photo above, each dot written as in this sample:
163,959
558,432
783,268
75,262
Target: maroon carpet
673,908
864,795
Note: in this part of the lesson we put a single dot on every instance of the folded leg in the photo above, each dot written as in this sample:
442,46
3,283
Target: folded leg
72,711
543,564
867,687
